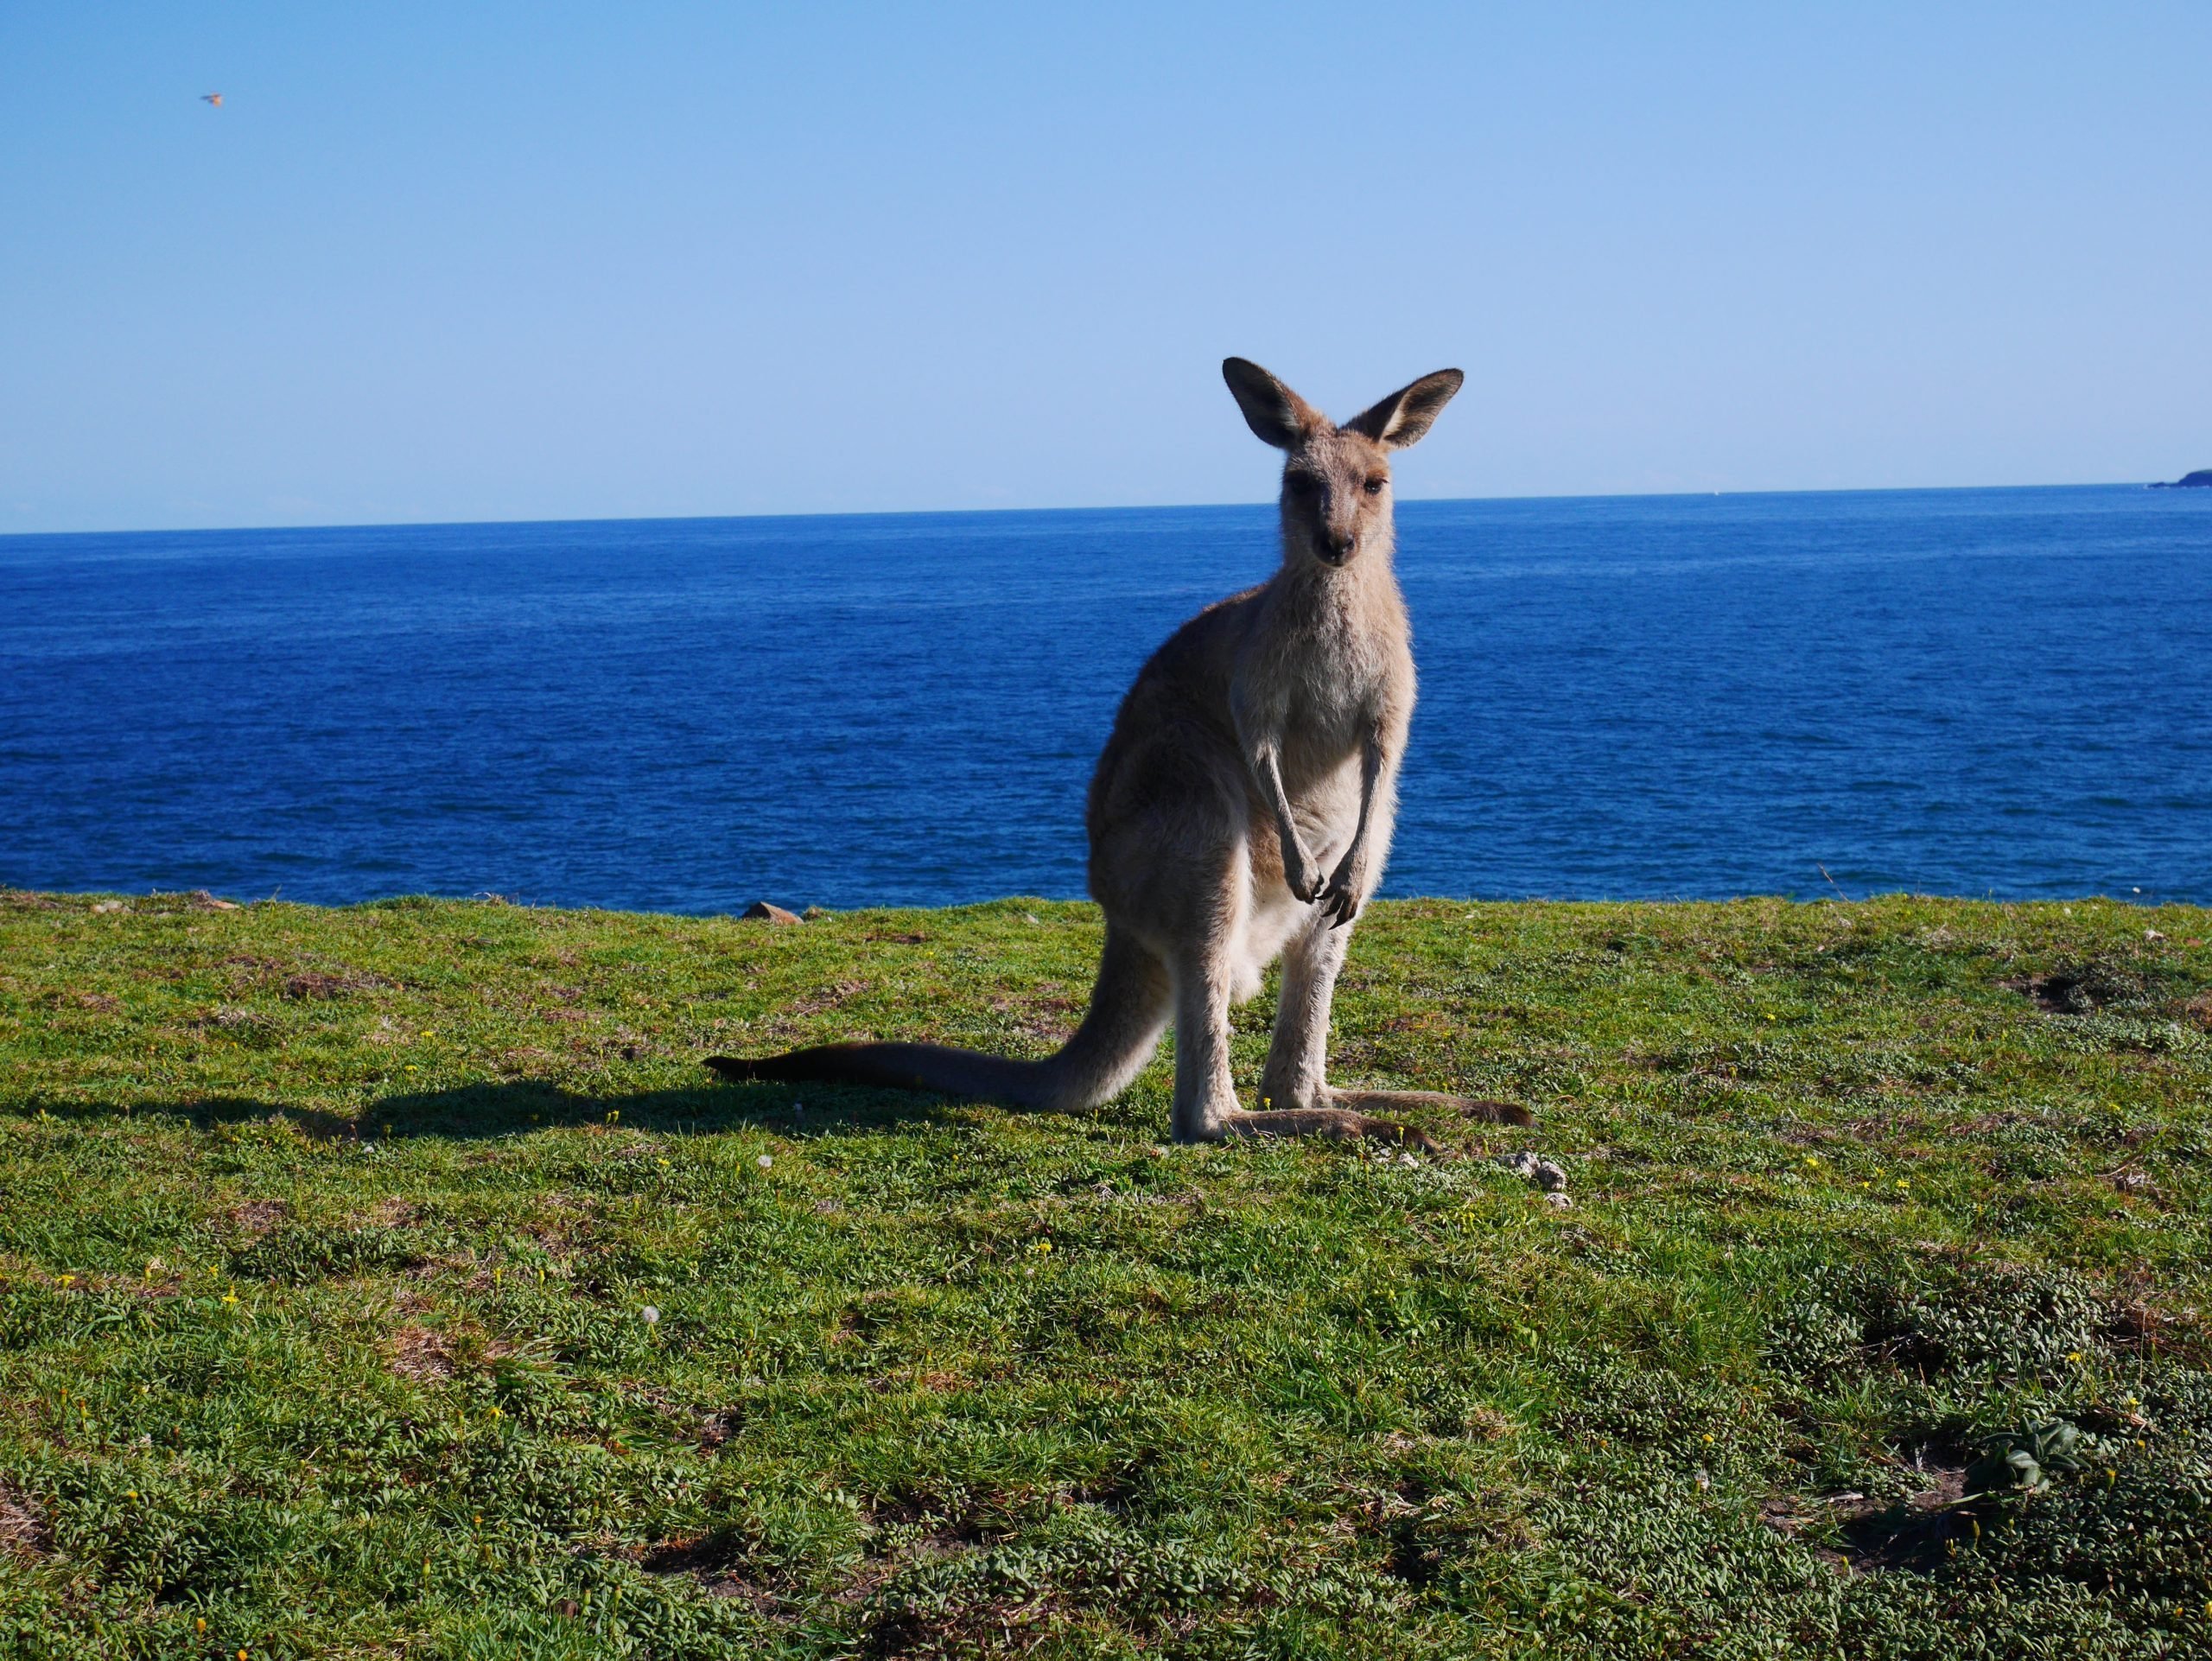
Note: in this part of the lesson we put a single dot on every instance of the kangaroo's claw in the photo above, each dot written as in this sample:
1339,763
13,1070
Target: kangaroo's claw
1340,904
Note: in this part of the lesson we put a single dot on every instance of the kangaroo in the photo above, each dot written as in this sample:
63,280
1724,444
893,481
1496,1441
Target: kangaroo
1241,810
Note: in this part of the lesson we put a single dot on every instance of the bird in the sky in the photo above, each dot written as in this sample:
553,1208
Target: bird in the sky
215,99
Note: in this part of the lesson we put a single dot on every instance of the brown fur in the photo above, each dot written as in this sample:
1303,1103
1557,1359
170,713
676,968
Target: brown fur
1242,810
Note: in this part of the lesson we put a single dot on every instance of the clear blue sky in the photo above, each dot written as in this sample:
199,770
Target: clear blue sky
492,261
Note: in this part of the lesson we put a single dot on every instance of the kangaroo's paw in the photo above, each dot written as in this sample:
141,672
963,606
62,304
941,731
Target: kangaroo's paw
1429,1101
1337,1123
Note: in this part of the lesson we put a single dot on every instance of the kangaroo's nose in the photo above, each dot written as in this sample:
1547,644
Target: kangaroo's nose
1341,542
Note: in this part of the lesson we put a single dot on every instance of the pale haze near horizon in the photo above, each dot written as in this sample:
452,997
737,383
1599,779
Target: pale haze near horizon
501,262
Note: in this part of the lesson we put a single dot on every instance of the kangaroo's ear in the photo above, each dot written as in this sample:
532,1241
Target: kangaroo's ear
1273,411
1402,417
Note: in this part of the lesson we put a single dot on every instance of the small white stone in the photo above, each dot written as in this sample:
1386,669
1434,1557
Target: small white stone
1539,1171
764,1161
1563,1201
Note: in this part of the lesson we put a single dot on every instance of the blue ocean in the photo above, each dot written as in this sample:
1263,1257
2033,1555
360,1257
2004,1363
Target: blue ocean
1968,692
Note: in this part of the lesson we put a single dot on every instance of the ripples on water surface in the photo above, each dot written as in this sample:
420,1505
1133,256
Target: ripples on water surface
1955,691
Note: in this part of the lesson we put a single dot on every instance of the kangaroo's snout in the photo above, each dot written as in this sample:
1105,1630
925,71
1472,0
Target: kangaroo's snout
1335,502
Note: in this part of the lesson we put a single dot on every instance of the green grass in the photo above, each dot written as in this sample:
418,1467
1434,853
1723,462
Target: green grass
325,1238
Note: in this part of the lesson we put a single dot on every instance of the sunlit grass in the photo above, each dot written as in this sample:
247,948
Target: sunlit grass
391,1279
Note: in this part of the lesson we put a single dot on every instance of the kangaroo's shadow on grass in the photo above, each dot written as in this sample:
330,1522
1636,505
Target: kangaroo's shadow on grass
494,1110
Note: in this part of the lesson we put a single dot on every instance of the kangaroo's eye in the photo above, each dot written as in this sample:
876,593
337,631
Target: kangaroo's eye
1375,485
1302,484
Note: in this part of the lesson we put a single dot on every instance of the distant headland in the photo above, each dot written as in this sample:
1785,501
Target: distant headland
2202,477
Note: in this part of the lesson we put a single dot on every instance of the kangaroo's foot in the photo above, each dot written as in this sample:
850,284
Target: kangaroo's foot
1337,1123
1429,1101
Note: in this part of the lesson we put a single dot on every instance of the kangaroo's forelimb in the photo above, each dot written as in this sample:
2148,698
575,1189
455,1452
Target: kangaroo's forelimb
1347,886
1259,733
1301,873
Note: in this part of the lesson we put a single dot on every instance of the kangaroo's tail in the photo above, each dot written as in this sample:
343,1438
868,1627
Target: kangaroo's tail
1129,1008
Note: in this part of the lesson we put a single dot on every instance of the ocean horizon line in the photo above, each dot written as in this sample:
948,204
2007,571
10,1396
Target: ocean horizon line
807,911
842,516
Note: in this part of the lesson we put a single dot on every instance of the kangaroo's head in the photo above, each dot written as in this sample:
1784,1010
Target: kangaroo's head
1335,480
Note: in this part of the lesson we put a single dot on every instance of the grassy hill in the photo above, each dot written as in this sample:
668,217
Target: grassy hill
392,1281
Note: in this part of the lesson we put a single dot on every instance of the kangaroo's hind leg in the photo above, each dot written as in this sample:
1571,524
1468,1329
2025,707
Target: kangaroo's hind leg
1295,1095
1295,1100
1205,1092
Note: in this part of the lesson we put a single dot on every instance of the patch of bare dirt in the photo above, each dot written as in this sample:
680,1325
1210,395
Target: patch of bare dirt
719,1563
825,1000
1916,1535
1483,1422
718,1429
1791,1517
905,1532
417,1353
322,983
2079,988
257,1217
22,1525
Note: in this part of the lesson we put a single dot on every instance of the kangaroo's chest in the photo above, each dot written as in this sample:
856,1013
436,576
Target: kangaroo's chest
1326,721
1333,698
